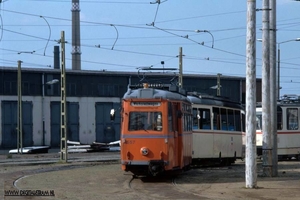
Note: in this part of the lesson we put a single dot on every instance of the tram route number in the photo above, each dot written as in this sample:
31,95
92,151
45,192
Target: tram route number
130,141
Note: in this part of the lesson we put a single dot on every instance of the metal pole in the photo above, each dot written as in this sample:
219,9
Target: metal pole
278,73
180,68
273,89
63,107
278,64
219,85
250,165
43,109
19,122
18,112
267,142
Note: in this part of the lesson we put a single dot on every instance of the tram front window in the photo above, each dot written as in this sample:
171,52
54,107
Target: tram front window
145,121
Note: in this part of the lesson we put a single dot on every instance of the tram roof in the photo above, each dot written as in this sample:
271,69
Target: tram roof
286,100
204,99
163,91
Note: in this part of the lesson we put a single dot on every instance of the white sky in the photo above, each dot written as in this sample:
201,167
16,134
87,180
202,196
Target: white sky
141,45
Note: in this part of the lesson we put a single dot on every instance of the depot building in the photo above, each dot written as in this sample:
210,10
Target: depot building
90,95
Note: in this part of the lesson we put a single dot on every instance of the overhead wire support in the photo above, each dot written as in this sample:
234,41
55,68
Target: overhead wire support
112,48
158,2
187,36
206,31
49,34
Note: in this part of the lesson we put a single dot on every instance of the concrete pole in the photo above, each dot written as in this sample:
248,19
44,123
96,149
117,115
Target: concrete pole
266,127
63,106
180,68
278,71
219,84
273,87
250,170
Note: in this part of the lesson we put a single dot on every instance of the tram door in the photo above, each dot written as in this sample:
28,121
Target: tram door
177,130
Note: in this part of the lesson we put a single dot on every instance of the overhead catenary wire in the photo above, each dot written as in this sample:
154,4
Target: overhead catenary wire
141,53
130,51
98,2
107,24
117,37
90,45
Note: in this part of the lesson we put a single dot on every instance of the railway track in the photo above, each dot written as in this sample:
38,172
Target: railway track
107,181
194,184
158,188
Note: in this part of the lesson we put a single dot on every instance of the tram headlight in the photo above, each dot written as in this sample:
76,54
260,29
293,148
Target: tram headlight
144,151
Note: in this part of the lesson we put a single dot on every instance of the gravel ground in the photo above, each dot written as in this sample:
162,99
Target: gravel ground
106,180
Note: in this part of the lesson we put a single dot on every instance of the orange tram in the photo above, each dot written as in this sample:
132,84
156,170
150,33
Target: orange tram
166,129
156,130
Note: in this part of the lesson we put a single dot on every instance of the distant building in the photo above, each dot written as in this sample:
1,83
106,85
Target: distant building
90,97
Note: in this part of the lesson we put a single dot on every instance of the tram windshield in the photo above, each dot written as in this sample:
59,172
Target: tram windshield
145,121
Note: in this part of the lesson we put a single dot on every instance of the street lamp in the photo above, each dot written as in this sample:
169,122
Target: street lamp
278,64
43,97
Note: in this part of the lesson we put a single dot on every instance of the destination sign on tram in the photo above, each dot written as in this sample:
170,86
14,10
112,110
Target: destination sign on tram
145,103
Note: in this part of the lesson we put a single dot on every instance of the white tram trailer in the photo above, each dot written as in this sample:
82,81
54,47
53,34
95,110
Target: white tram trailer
218,128
288,129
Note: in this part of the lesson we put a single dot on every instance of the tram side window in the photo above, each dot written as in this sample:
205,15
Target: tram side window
175,116
184,121
237,120
224,119
243,122
258,121
196,118
231,125
201,119
292,118
188,119
216,119
170,117
205,119
190,122
279,118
